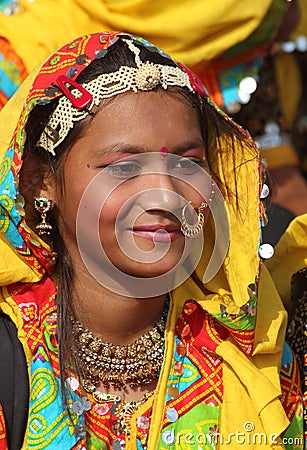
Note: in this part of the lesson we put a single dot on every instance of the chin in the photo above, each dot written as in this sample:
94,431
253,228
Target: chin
150,270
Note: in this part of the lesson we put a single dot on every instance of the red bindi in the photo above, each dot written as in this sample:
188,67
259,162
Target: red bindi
163,151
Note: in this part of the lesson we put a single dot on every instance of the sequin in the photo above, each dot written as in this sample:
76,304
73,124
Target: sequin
101,410
72,383
173,392
119,444
172,414
71,72
189,308
80,432
43,101
265,191
79,406
178,368
143,422
185,331
114,409
100,53
81,59
117,428
168,437
51,91
180,349
223,310
251,289
266,251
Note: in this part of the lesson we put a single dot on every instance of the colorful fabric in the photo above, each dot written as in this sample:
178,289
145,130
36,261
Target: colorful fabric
230,333
194,390
3,441
12,71
288,269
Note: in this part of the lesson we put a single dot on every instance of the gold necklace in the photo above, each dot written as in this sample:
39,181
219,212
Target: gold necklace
134,364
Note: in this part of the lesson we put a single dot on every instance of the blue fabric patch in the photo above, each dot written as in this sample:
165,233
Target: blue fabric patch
49,425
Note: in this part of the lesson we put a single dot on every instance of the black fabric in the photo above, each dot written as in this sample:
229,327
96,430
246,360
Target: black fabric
14,383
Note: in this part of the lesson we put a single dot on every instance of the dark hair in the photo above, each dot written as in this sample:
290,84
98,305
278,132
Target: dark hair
38,163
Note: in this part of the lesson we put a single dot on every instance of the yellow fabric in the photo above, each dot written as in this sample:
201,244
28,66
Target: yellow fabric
289,84
290,256
283,155
191,31
12,268
229,287
301,29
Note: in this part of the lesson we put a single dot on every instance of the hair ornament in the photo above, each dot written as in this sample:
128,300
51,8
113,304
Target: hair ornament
77,103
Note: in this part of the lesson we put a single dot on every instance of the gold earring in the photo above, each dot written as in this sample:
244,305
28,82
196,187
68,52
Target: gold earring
43,205
193,230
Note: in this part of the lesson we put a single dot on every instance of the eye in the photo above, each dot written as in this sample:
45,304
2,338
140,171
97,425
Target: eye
188,166
124,169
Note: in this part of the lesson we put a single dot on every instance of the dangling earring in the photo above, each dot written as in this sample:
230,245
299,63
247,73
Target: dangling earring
194,230
43,205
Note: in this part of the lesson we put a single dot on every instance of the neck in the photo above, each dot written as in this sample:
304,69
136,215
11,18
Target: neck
112,317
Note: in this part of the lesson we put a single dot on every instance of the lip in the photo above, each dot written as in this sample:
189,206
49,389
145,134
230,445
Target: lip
158,232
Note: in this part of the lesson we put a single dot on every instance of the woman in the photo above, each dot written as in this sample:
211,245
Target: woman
138,328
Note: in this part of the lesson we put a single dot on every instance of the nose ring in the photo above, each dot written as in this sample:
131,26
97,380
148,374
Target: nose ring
193,230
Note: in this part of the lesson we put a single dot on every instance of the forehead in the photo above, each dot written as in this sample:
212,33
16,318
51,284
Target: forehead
150,119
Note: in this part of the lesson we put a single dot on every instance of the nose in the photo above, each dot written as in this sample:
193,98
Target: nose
161,193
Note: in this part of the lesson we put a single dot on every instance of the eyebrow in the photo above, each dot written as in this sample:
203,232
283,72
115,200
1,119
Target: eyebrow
137,149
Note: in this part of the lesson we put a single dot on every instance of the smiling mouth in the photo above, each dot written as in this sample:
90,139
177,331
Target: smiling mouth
158,233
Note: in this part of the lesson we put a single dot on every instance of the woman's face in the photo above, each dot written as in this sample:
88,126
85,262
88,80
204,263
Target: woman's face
127,179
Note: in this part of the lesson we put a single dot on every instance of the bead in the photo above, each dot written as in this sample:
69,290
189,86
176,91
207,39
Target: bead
147,76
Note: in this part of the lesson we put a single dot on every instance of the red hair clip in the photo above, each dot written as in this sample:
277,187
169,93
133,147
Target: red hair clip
81,102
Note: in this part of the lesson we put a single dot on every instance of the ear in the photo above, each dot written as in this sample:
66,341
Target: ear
49,187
